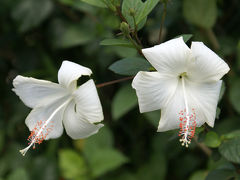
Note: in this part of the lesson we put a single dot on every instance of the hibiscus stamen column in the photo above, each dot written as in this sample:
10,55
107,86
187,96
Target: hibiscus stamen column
37,135
187,123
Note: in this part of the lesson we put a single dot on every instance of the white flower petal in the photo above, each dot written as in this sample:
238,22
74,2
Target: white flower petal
69,72
34,92
40,115
204,97
206,65
153,90
87,102
169,113
170,57
76,126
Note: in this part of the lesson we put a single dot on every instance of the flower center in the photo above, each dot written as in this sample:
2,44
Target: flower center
187,119
41,130
182,75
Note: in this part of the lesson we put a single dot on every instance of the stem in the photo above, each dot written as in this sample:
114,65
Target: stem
162,22
119,13
135,45
114,82
203,147
135,34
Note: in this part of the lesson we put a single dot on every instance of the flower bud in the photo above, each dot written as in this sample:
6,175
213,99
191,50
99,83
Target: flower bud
124,27
132,12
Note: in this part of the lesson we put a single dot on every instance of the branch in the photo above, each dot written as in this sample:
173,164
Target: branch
162,22
203,147
114,82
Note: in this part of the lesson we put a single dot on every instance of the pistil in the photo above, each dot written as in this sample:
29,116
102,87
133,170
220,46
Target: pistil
187,122
37,135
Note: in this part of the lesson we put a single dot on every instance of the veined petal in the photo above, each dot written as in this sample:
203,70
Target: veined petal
50,117
204,97
170,57
153,90
35,92
87,102
206,66
76,126
69,72
169,113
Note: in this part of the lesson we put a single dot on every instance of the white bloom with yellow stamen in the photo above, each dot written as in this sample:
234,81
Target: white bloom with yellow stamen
54,105
185,87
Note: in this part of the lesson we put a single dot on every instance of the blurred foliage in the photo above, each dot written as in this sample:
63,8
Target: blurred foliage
37,35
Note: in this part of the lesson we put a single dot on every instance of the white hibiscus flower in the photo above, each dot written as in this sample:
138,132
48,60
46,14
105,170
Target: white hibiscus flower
185,87
57,105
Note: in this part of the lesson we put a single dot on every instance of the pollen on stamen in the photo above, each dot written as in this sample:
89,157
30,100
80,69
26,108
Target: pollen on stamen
39,133
187,125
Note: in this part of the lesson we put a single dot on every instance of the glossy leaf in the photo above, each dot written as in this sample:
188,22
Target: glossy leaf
139,9
212,140
105,160
101,155
116,42
130,66
231,135
145,9
124,100
72,165
231,150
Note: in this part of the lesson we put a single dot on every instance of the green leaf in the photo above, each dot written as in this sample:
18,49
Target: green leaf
130,66
218,112
65,35
231,135
31,13
124,100
72,165
223,87
198,175
105,160
100,154
98,3
220,174
103,139
133,5
212,140
116,42
145,9
17,174
235,95
186,37
202,13
140,9
231,150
